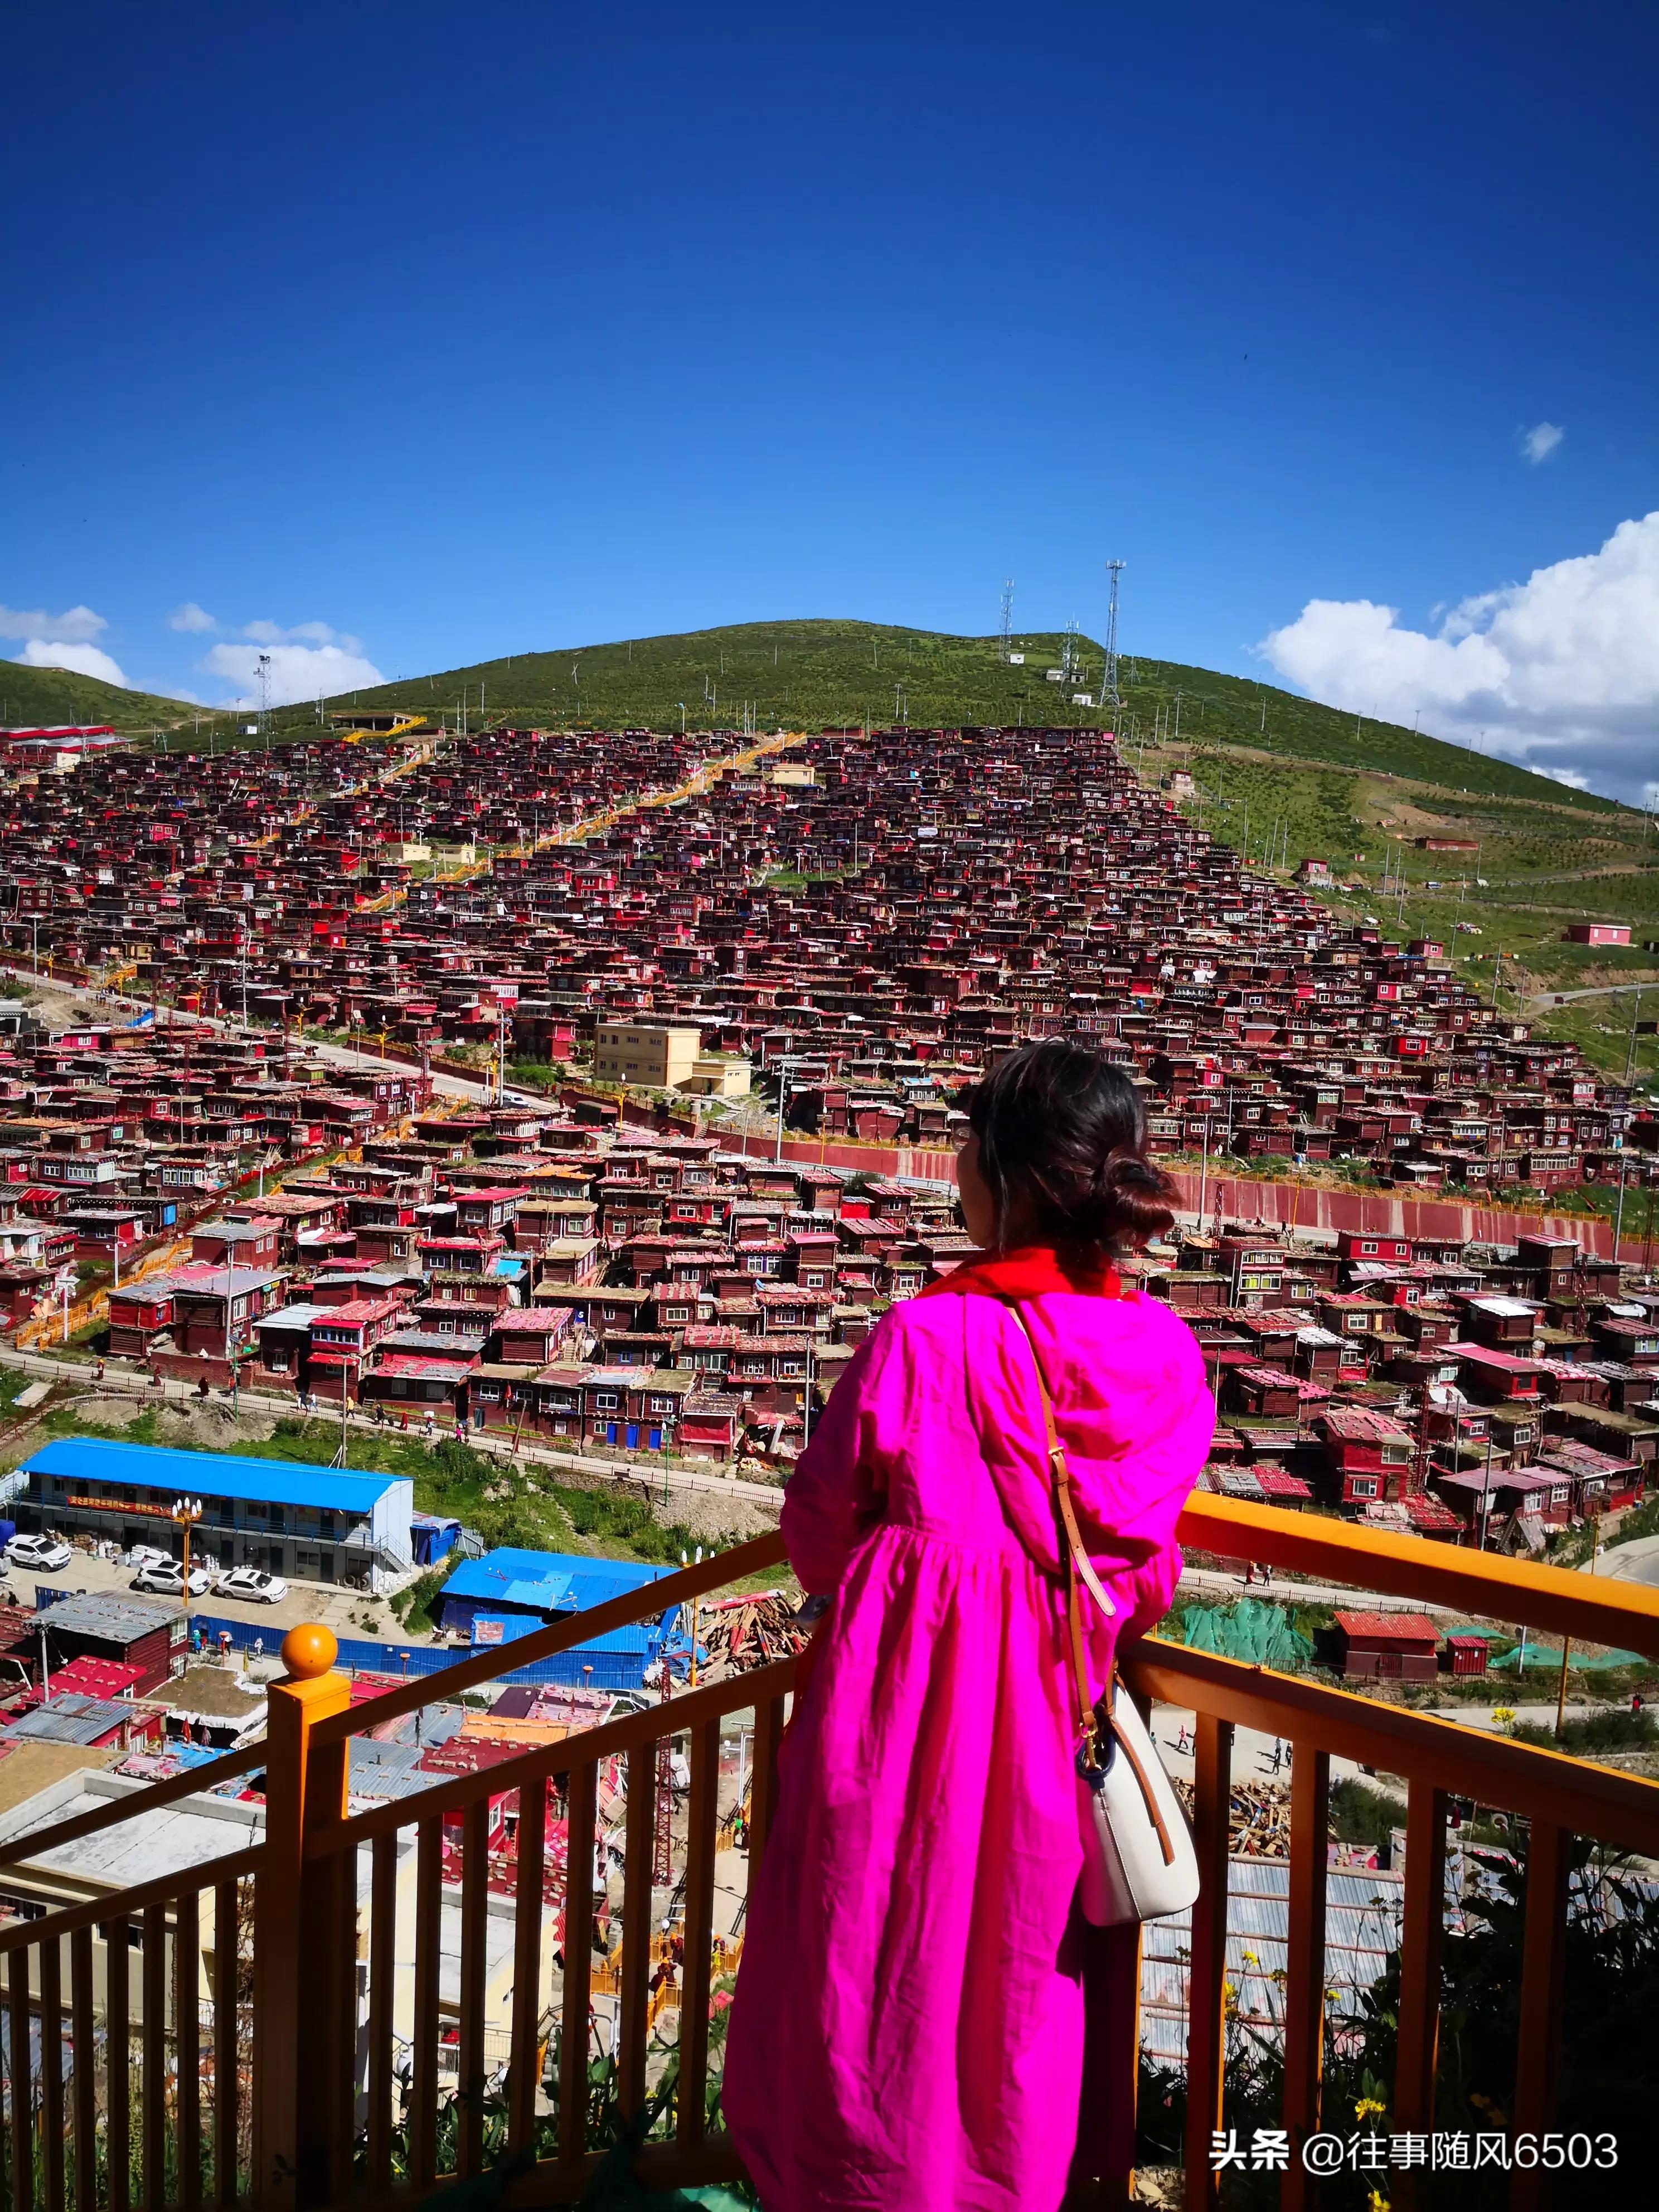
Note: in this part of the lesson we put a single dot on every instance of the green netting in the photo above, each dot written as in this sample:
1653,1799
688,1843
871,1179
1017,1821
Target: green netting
1546,1655
1260,1634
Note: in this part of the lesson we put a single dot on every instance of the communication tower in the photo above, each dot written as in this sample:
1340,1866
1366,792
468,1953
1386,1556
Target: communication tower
264,698
1109,691
1007,644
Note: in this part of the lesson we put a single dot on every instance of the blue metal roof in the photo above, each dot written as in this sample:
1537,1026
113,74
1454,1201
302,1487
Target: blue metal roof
547,1582
280,1481
639,1638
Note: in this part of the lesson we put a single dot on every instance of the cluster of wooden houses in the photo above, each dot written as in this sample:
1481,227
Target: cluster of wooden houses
871,914
554,1275
867,919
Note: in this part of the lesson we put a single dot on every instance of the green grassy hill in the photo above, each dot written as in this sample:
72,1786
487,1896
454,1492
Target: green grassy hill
1277,775
811,675
38,697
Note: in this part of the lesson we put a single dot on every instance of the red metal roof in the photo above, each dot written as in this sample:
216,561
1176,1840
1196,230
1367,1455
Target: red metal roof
1389,1627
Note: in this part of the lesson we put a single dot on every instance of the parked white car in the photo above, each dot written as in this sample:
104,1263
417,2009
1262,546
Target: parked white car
44,1554
251,1584
165,1578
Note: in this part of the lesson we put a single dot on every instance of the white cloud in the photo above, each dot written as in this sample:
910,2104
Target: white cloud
1560,674
68,653
189,617
76,626
1541,441
297,671
310,633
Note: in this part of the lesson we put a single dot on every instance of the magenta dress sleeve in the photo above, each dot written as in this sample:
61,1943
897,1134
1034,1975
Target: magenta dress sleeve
831,1500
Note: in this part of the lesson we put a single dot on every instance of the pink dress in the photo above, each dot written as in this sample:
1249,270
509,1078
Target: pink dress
908,2027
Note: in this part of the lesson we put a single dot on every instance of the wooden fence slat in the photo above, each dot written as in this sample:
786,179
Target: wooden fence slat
639,1838
581,1805
52,2075
764,1784
1206,1973
522,2069
1305,1982
382,1999
1422,1940
154,1999
118,2063
83,2043
226,2102
1549,1859
474,1932
22,2092
703,1818
187,2046
424,2083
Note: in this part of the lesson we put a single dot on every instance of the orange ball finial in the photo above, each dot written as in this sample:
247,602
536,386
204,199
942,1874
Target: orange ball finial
309,1651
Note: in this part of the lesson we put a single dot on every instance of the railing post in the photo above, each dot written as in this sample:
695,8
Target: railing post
1421,1944
1305,1980
1206,1971
305,1944
1549,1864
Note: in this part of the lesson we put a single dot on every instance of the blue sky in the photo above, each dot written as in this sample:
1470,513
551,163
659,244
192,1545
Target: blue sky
412,335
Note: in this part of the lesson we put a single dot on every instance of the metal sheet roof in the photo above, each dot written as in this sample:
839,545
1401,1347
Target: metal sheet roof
549,1582
71,1719
281,1482
117,1619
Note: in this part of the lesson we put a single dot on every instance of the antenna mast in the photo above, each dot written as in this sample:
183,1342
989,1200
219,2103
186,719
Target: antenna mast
1006,644
1109,691
265,703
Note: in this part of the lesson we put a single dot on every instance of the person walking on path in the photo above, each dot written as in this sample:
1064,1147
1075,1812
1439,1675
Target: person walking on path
909,2031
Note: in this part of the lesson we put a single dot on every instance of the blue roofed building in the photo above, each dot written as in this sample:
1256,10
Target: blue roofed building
311,1523
508,1594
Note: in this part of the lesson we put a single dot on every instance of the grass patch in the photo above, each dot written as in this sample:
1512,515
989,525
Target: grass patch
1613,1728
1360,1814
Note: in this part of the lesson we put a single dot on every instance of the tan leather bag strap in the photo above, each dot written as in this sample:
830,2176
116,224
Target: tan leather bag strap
1075,1567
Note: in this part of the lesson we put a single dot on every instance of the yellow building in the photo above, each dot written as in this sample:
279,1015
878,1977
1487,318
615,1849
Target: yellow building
655,1055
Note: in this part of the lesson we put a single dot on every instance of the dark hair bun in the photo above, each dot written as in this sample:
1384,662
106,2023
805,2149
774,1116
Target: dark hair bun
1066,1130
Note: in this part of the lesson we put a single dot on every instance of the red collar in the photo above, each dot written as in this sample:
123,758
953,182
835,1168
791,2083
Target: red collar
1028,1273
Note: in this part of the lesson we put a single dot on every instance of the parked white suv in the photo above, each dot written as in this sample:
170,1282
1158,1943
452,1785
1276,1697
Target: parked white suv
252,1584
44,1555
165,1578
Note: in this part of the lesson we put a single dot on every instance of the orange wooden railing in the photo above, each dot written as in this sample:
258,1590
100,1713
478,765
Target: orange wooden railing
389,2042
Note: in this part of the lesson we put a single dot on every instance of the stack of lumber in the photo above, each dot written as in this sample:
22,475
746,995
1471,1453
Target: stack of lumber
741,1632
1258,1818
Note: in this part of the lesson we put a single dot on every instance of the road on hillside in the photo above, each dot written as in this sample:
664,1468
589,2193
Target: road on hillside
1542,1000
654,1472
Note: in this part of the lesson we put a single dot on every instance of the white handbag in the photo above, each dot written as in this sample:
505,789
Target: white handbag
1139,1862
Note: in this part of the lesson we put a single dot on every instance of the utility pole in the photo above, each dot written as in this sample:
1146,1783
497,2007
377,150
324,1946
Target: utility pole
784,1066
1110,697
1486,1489
1630,1056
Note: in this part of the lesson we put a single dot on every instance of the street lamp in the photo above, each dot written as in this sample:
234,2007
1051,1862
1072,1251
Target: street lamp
186,1512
